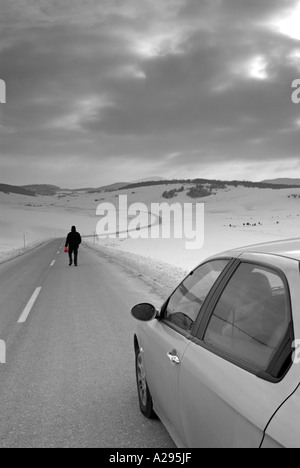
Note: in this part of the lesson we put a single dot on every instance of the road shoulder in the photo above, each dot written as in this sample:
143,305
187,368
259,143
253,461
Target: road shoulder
161,277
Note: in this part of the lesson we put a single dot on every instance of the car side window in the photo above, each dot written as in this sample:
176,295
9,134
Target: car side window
185,304
251,317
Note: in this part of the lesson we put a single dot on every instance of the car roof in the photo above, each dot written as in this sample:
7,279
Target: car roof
289,248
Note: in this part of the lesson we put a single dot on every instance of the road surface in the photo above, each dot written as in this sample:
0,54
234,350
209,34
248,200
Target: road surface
69,376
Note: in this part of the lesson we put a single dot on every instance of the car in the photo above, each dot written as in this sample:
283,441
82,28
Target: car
217,362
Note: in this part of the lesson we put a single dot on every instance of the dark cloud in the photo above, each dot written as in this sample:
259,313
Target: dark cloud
235,12
172,87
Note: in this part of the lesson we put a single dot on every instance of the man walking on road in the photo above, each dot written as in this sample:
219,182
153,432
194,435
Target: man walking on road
73,241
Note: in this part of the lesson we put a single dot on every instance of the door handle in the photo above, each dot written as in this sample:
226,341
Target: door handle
173,358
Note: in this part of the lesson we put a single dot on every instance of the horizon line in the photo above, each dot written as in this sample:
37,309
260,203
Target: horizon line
149,180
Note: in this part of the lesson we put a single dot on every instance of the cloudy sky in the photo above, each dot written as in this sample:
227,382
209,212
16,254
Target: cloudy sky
100,91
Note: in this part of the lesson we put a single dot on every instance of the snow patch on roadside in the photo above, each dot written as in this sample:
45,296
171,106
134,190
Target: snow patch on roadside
6,256
162,277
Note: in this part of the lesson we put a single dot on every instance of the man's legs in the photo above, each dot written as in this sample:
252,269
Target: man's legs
75,256
70,255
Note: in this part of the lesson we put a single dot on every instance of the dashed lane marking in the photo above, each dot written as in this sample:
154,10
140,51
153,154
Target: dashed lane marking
29,306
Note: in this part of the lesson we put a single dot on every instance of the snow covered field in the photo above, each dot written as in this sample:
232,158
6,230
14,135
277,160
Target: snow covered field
234,216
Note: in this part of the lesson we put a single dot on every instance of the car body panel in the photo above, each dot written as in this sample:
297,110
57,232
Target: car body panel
223,405
286,248
283,430
157,340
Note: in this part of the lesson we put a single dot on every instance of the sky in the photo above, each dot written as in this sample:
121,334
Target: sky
103,91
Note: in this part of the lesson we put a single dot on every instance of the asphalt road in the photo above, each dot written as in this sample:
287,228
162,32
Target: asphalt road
69,375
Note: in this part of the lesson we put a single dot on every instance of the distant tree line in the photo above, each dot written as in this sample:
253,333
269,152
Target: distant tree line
172,193
216,184
198,191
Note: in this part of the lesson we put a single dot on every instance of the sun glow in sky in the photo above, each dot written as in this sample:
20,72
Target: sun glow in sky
290,25
258,69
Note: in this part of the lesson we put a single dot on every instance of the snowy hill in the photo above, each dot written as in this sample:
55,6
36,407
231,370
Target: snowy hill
283,181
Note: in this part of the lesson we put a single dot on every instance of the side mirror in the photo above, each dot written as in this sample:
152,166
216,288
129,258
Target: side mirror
144,312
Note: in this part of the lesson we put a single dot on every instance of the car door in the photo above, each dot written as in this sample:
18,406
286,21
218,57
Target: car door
233,375
166,340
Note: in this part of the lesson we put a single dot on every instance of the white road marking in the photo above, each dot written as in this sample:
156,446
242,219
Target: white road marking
29,306
52,263
58,253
